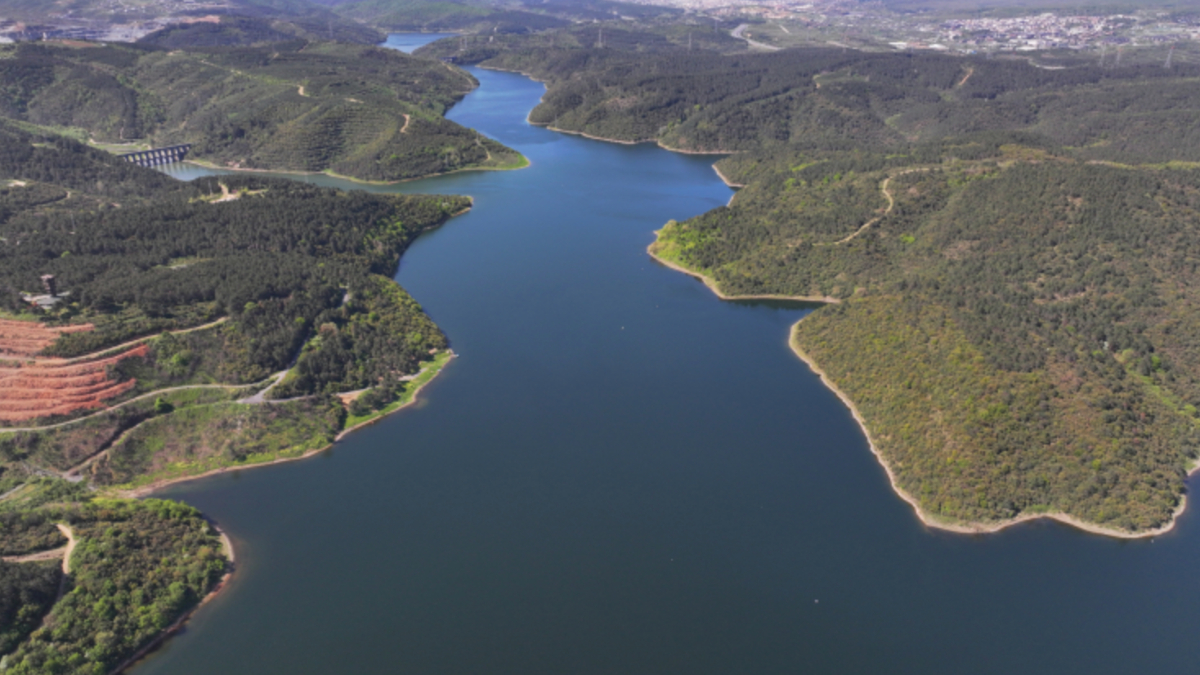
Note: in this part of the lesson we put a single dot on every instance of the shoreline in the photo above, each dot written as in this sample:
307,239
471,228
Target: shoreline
736,186
551,127
712,284
927,519
619,141
970,528
358,181
179,623
147,490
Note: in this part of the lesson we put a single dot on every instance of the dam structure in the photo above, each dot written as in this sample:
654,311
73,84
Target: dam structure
159,156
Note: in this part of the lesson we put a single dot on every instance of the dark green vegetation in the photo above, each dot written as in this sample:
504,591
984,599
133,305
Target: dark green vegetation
1016,330
290,276
495,19
25,533
580,47
360,111
833,98
137,568
244,31
1014,249
447,16
281,259
309,17
27,591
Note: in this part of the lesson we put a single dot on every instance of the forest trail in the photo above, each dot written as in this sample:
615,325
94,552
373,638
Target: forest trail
63,552
70,547
970,72
122,404
407,119
261,396
226,195
52,554
883,187
40,387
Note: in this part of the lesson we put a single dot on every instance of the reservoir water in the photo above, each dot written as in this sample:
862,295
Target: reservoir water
624,474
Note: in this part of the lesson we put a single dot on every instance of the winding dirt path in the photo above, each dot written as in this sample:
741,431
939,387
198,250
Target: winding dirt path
407,119
970,72
69,548
883,187
52,554
63,552
122,404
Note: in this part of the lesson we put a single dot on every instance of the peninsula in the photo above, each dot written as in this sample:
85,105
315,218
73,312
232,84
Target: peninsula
1004,257
154,331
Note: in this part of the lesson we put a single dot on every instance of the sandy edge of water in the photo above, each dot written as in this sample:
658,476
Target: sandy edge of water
712,284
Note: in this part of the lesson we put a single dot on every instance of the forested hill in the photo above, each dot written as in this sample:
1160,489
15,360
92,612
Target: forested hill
1017,329
360,111
298,15
236,30
702,101
495,19
139,253
204,325
1013,248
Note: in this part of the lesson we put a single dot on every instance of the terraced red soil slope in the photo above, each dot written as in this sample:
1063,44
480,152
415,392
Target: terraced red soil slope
25,338
40,387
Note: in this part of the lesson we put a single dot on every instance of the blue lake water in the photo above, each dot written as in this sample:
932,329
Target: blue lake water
407,42
624,474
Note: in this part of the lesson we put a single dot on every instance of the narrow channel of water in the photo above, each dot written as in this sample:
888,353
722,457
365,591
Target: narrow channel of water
623,474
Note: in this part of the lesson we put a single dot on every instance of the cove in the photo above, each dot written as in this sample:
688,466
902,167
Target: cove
623,474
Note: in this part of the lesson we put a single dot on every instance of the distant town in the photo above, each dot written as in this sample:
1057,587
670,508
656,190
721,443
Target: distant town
846,23
119,21
872,23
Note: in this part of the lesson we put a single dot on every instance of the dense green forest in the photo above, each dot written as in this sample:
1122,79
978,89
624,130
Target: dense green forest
27,591
303,15
631,90
245,31
286,262
138,566
359,111
496,19
276,275
1015,326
